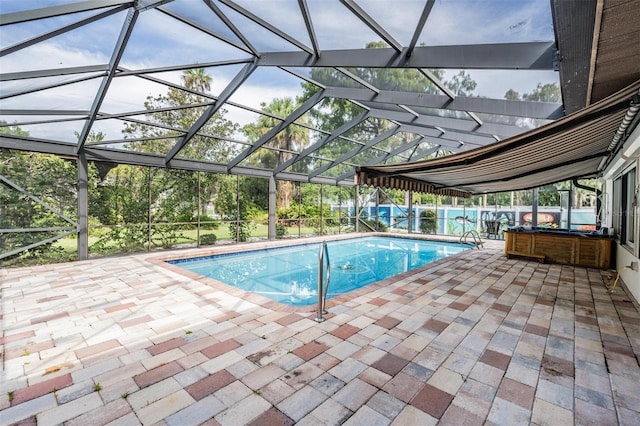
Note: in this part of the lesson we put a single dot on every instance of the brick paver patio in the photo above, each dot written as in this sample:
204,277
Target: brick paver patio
471,339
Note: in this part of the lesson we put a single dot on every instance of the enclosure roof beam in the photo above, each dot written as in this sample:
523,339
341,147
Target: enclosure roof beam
65,9
509,56
52,86
34,40
371,23
106,116
302,109
228,91
397,151
355,151
121,44
449,137
423,19
53,72
314,147
439,84
358,80
109,155
32,144
79,112
299,177
455,124
382,159
532,109
206,30
211,5
306,15
151,160
267,26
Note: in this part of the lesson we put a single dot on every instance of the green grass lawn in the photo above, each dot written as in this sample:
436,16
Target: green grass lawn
190,236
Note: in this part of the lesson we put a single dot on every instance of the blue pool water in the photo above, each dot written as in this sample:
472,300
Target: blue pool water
290,274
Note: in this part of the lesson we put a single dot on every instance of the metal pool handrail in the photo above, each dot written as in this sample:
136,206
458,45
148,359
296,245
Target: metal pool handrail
477,241
323,286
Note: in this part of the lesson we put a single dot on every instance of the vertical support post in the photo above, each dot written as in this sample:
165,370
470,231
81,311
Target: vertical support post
198,216
569,205
464,219
410,213
321,216
237,208
534,207
355,208
377,209
83,206
599,210
339,209
299,209
444,216
272,208
149,211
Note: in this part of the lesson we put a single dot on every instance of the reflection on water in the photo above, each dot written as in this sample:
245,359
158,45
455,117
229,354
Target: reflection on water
290,274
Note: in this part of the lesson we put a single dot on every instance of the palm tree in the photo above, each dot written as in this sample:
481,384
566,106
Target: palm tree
292,138
196,79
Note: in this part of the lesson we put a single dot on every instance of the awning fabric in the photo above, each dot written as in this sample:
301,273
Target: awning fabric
571,147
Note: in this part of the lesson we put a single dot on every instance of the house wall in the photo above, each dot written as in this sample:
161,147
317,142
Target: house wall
627,258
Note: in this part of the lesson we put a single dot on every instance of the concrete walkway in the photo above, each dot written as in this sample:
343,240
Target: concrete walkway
471,339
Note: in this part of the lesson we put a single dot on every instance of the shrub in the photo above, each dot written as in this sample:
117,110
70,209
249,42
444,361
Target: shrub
242,230
281,230
429,221
208,239
207,222
96,229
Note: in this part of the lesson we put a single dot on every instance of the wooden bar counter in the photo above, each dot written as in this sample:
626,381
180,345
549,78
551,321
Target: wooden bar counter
566,248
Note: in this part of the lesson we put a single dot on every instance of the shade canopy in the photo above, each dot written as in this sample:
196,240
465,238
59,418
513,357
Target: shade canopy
575,146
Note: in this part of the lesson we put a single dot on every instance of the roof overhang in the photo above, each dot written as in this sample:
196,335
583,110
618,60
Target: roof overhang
576,146
598,49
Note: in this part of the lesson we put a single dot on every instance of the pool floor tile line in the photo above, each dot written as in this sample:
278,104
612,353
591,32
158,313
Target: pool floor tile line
472,339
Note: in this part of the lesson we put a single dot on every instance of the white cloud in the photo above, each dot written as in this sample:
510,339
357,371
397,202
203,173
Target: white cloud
158,40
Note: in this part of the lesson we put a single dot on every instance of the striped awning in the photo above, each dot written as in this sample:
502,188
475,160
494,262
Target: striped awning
363,178
575,146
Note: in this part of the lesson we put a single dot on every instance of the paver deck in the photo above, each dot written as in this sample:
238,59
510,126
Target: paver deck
471,339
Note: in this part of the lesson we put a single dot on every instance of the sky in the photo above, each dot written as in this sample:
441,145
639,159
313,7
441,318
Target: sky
158,40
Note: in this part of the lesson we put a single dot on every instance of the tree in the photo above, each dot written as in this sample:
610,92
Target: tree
512,95
544,93
549,92
462,84
175,113
333,113
8,129
291,139
429,221
52,180
136,196
239,200
340,110
196,79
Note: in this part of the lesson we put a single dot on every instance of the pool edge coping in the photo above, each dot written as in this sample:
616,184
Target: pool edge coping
163,260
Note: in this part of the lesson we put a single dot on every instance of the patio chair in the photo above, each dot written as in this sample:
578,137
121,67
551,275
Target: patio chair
492,228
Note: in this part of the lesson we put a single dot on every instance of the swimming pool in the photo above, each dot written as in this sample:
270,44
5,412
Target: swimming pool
290,274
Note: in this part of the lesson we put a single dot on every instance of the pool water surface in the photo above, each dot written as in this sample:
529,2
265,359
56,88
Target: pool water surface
290,274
